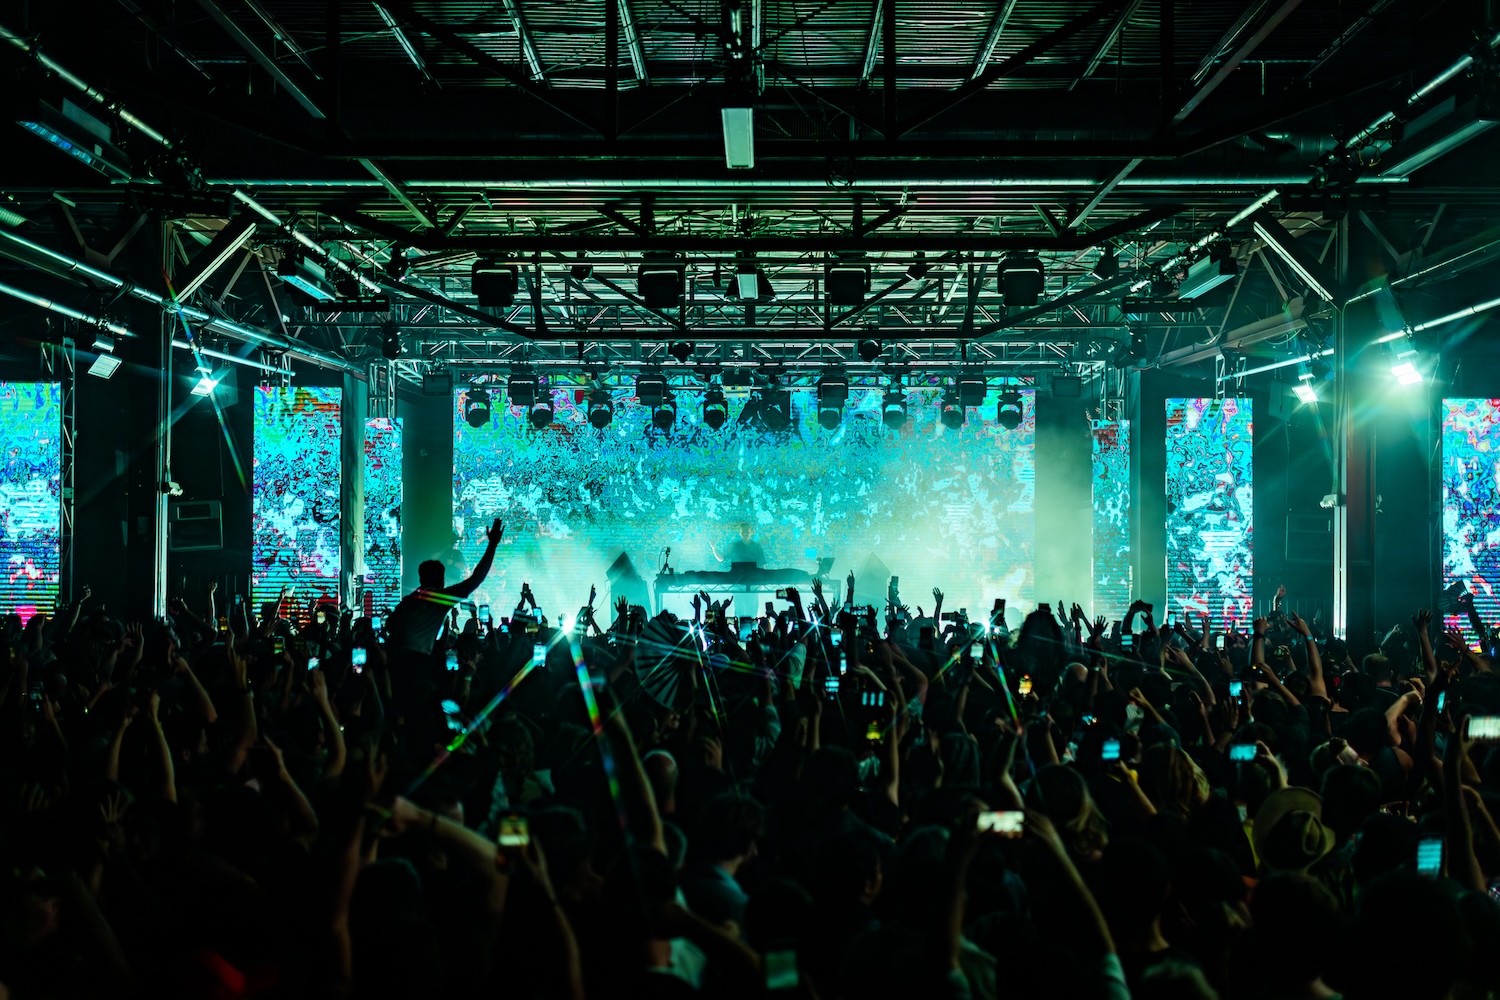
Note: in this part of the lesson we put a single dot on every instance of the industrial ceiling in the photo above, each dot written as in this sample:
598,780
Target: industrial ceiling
392,147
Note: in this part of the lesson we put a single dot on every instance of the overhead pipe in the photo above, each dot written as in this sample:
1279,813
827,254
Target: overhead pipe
50,305
62,265
710,183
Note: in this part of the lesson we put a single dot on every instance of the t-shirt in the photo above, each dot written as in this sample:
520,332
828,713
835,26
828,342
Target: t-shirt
415,624
741,551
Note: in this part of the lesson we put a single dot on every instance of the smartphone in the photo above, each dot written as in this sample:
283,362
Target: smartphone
321,617
781,593
1087,720
536,613
452,660
1025,685
837,635
484,614
238,599
1127,640
278,645
710,616
1430,856
1242,751
771,608
1111,751
976,650
313,663
781,971
513,838
831,686
1006,822
1236,688
451,709
952,616
532,627
747,629
357,658
1044,607
1442,700
223,625
375,623
872,731
539,654
1484,727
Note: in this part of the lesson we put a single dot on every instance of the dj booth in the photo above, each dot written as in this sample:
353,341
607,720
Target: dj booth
740,578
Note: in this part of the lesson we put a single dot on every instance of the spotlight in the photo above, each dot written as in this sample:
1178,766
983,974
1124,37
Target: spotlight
665,413
1008,412
1208,274
650,389
893,408
869,350
601,408
774,409
952,410
1021,279
971,390
522,388
715,407
739,137
105,364
847,283
1304,389
206,382
477,408
390,341
541,409
398,265
833,392
1108,265
682,350
1405,370
581,271
660,282
495,284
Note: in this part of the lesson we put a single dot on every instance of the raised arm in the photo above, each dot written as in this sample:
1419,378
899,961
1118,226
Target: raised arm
1315,683
1422,620
482,570
635,790
1458,850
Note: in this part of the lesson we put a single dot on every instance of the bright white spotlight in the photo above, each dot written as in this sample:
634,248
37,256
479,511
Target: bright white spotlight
1406,373
206,385
1305,391
104,366
739,138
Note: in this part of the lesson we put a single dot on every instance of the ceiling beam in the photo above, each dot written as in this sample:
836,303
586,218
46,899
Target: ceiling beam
1047,42
283,36
523,35
872,43
1107,41
406,44
264,60
992,38
1229,65
406,13
397,192
633,44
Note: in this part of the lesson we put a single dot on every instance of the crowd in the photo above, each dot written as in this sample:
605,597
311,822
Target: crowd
835,801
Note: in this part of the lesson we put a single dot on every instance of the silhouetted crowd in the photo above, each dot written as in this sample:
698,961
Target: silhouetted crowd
835,801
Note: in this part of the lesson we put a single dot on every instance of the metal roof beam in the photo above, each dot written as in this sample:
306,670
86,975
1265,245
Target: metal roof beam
1229,65
406,44
1047,42
992,38
872,43
633,45
523,35
1107,41
262,58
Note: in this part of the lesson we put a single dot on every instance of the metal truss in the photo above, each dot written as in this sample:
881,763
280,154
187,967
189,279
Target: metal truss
59,364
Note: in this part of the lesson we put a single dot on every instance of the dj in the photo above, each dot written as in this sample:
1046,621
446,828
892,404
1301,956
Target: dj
743,549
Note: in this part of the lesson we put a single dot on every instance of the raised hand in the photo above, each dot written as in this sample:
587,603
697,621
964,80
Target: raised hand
1298,624
817,588
1281,591
593,595
496,532
622,608
1261,625
1421,620
937,596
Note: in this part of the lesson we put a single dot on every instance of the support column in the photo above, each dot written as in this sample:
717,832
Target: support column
1354,482
352,488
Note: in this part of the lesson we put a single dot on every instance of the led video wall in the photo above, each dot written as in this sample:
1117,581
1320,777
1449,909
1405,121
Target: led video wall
382,576
30,496
933,505
1111,479
1471,507
1209,527
295,497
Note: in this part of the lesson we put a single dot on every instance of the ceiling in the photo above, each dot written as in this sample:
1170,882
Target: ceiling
401,141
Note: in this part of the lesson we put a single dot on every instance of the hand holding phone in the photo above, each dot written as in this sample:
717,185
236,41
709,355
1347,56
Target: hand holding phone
1110,751
1009,823
1242,752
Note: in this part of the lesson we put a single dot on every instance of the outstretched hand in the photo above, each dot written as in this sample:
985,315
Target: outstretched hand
496,532
1421,620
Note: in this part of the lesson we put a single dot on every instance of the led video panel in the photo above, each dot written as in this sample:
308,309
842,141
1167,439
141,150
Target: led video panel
1471,508
933,505
1209,523
1111,479
382,577
295,497
30,496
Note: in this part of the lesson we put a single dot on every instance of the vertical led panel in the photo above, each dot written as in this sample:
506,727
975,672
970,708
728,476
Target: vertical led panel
295,498
1471,507
382,576
1112,573
30,496
934,505
1209,485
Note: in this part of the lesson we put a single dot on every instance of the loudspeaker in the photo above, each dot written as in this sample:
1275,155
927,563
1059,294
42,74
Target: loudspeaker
195,526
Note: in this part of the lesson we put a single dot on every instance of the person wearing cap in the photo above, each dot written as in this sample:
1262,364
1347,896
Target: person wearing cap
1289,834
